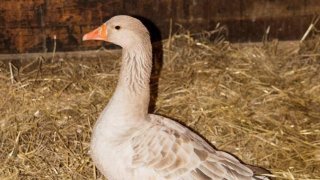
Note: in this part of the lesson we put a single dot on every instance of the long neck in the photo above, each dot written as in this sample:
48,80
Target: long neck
132,95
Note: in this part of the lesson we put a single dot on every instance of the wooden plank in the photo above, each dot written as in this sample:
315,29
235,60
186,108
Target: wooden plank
29,26
69,54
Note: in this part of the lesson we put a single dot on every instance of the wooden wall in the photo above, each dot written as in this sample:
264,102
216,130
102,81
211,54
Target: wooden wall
29,26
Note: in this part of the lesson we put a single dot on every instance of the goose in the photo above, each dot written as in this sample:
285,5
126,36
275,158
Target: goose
128,143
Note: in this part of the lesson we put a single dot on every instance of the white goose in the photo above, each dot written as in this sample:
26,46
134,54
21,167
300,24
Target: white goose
130,144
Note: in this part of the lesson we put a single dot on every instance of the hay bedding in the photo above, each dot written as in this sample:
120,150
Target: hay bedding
259,103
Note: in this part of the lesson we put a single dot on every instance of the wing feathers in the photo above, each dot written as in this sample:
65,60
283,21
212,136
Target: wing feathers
199,175
209,173
172,151
215,168
202,154
240,169
165,162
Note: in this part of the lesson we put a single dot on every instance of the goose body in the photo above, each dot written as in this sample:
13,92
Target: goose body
128,143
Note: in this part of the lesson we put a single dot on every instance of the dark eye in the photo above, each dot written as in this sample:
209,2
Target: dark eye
117,27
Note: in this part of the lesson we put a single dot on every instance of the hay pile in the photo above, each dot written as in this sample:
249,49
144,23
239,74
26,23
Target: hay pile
261,103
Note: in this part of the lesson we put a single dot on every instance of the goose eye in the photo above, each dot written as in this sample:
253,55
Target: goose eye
117,27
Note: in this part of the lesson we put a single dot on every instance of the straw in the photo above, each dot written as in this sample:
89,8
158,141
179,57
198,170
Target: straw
260,103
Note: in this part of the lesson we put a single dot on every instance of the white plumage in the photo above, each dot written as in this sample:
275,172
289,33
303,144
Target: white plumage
128,143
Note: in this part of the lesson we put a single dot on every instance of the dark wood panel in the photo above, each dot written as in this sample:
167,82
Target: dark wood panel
29,26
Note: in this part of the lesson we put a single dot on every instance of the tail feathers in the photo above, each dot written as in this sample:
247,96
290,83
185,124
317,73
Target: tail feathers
260,173
262,177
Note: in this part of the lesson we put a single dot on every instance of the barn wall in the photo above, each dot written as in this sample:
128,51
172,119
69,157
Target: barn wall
29,26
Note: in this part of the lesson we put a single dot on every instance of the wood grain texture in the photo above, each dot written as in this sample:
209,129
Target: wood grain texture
29,26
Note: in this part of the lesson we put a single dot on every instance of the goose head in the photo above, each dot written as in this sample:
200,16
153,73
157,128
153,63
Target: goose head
121,30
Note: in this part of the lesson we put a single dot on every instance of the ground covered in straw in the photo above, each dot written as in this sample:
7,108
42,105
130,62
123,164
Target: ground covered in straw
259,102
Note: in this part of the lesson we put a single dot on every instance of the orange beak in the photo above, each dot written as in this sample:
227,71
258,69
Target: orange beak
98,34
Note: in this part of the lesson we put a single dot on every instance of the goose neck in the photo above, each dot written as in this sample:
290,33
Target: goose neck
132,94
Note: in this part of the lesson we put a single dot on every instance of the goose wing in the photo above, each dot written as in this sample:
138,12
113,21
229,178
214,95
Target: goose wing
175,152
